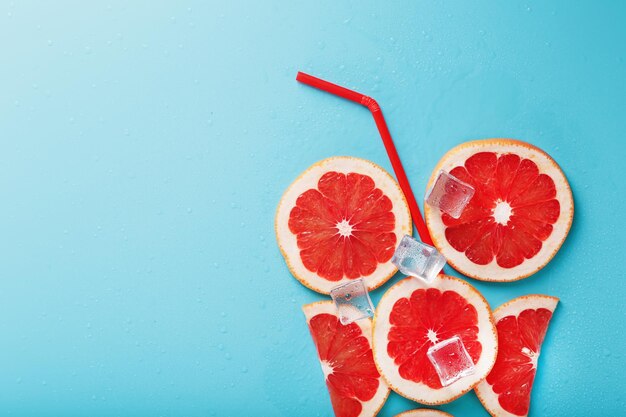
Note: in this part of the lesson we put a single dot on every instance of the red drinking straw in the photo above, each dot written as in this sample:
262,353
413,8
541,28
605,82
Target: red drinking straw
371,104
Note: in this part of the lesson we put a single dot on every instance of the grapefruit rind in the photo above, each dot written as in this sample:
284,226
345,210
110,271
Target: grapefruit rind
492,271
287,241
514,307
373,406
418,391
424,412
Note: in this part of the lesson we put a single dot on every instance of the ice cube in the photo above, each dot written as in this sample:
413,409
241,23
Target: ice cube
449,194
451,360
352,301
418,259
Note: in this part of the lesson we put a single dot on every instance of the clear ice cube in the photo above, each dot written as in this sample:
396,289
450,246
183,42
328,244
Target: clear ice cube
352,301
451,360
417,259
449,194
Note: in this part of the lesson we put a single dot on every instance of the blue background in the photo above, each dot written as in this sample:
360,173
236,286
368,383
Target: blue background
144,148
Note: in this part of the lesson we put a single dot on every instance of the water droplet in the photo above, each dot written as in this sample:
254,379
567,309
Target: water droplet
348,296
244,370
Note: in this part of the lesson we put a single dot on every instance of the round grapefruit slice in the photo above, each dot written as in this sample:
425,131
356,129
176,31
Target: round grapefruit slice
341,220
423,412
522,324
412,316
345,353
519,215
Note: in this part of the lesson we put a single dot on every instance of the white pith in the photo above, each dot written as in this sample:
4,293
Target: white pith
432,336
327,369
418,391
492,271
344,228
533,357
502,212
371,407
484,390
287,241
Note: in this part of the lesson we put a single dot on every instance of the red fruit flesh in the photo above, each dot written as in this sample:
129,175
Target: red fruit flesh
347,353
509,216
519,341
344,227
424,318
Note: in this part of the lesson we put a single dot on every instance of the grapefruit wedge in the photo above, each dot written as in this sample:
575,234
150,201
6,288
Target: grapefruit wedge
345,353
412,316
522,324
341,220
519,215
423,412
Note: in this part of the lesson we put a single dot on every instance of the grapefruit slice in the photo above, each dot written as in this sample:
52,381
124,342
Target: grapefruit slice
341,220
345,353
522,324
423,412
518,217
412,316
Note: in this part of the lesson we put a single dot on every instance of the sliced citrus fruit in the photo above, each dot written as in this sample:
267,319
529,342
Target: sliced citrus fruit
412,316
356,388
423,412
519,215
522,324
341,220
